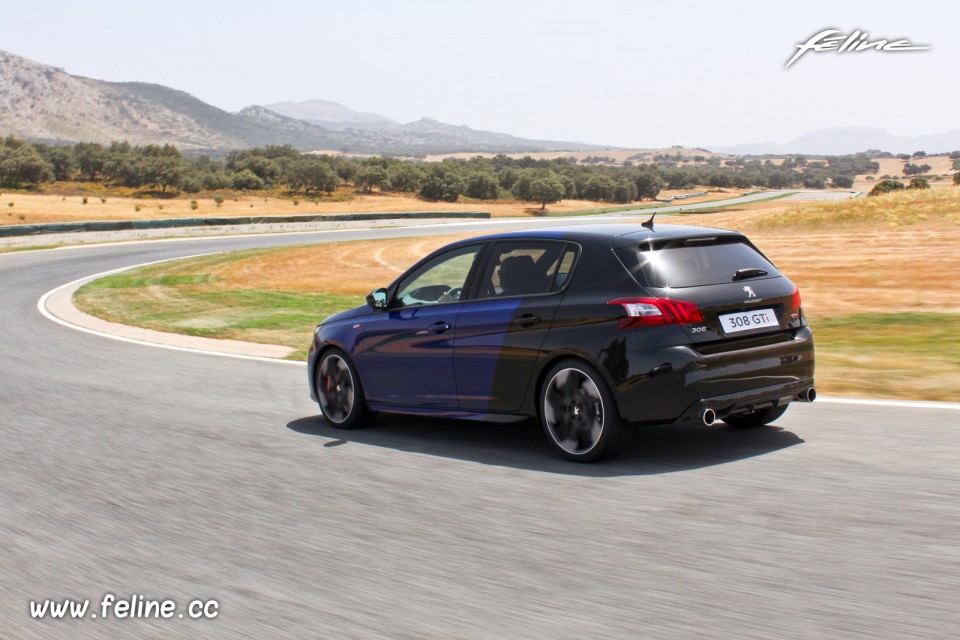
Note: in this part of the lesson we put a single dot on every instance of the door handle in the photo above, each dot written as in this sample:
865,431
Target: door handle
527,320
439,327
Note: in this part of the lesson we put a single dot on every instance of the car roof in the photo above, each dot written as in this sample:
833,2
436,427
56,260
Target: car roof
628,232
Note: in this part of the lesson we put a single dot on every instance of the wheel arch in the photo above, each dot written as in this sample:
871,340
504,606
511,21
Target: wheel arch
558,356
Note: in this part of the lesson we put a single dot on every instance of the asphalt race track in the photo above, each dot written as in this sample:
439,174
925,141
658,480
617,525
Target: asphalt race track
134,470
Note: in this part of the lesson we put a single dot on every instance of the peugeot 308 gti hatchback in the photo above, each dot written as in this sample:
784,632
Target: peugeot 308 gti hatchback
592,330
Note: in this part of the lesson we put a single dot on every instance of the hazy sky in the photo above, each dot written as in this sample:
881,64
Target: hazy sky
626,73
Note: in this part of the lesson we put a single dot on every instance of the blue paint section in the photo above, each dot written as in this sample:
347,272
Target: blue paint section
482,331
404,361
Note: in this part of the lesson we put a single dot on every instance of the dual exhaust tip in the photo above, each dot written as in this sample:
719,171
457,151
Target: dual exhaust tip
709,416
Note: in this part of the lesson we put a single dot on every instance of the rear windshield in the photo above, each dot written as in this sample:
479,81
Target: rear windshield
692,263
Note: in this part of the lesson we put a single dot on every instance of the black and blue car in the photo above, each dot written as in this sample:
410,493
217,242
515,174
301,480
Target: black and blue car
592,330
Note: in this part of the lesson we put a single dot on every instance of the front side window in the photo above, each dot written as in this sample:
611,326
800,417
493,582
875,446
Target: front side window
526,268
440,280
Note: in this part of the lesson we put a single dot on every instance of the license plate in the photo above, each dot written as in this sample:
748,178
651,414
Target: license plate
746,320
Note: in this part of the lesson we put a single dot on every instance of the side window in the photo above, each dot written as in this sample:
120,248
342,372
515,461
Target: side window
524,268
563,272
440,280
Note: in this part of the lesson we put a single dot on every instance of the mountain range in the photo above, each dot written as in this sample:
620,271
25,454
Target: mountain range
39,102
843,140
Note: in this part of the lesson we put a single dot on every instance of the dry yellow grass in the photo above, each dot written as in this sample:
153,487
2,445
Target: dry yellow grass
939,166
347,267
30,208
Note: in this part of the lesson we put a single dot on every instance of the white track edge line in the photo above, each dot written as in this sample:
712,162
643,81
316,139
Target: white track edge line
42,308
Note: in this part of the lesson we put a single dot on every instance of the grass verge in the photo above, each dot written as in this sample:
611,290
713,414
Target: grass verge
909,356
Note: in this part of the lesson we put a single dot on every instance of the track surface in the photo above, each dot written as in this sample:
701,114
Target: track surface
133,470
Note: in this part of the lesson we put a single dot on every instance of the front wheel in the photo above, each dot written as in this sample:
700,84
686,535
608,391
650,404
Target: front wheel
579,414
755,419
339,391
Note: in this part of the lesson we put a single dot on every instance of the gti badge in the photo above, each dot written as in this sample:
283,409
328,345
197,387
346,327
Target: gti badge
749,292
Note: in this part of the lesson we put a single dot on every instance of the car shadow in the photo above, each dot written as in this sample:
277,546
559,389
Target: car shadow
652,450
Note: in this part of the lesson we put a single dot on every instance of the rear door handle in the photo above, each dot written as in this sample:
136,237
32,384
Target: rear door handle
527,320
439,327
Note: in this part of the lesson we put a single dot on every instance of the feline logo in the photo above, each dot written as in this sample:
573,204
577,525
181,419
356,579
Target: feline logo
834,40
749,292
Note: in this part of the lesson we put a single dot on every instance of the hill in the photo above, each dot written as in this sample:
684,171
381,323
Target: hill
39,102
844,140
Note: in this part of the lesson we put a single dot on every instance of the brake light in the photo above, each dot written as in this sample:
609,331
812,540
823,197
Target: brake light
652,312
795,303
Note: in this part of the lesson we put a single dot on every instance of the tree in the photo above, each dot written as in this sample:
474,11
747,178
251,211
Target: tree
120,165
310,172
649,183
482,185
625,191
23,166
956,178
91,158
919,183
60,159
886,186
160,166
247,180
267,169
843,182
405,177
370,176
442,182
599,189
546,190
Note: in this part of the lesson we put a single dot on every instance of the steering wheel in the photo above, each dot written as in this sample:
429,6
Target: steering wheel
452,295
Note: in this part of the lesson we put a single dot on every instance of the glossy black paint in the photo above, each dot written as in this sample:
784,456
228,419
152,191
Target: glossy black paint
486,358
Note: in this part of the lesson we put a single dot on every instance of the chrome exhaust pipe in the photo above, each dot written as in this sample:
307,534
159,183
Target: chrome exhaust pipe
809,395
708,416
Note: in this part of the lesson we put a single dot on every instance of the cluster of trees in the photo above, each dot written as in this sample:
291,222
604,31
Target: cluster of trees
165,169
888,186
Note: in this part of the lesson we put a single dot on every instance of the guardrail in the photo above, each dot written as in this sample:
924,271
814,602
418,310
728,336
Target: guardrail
172,223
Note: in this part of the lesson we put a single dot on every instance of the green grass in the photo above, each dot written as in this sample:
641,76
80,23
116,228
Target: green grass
38,247
932,335
914,356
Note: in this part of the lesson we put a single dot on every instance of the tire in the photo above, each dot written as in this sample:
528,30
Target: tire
579,414
757,418
339,391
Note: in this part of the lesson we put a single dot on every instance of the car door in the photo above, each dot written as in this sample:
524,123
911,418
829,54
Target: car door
501,328
405,352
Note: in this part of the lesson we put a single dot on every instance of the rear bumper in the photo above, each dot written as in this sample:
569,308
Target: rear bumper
748,401
675,383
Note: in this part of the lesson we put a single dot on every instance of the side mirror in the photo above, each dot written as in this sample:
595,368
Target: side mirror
377,299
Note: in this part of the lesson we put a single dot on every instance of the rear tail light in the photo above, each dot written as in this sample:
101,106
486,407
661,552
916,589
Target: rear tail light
795,303
652,312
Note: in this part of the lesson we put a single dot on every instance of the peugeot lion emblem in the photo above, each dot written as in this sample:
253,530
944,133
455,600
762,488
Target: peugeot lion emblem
749,292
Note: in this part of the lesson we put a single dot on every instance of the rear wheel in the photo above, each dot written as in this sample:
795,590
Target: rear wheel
339,391
755,419
579,414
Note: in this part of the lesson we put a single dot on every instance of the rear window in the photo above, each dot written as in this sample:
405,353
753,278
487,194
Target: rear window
697,262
